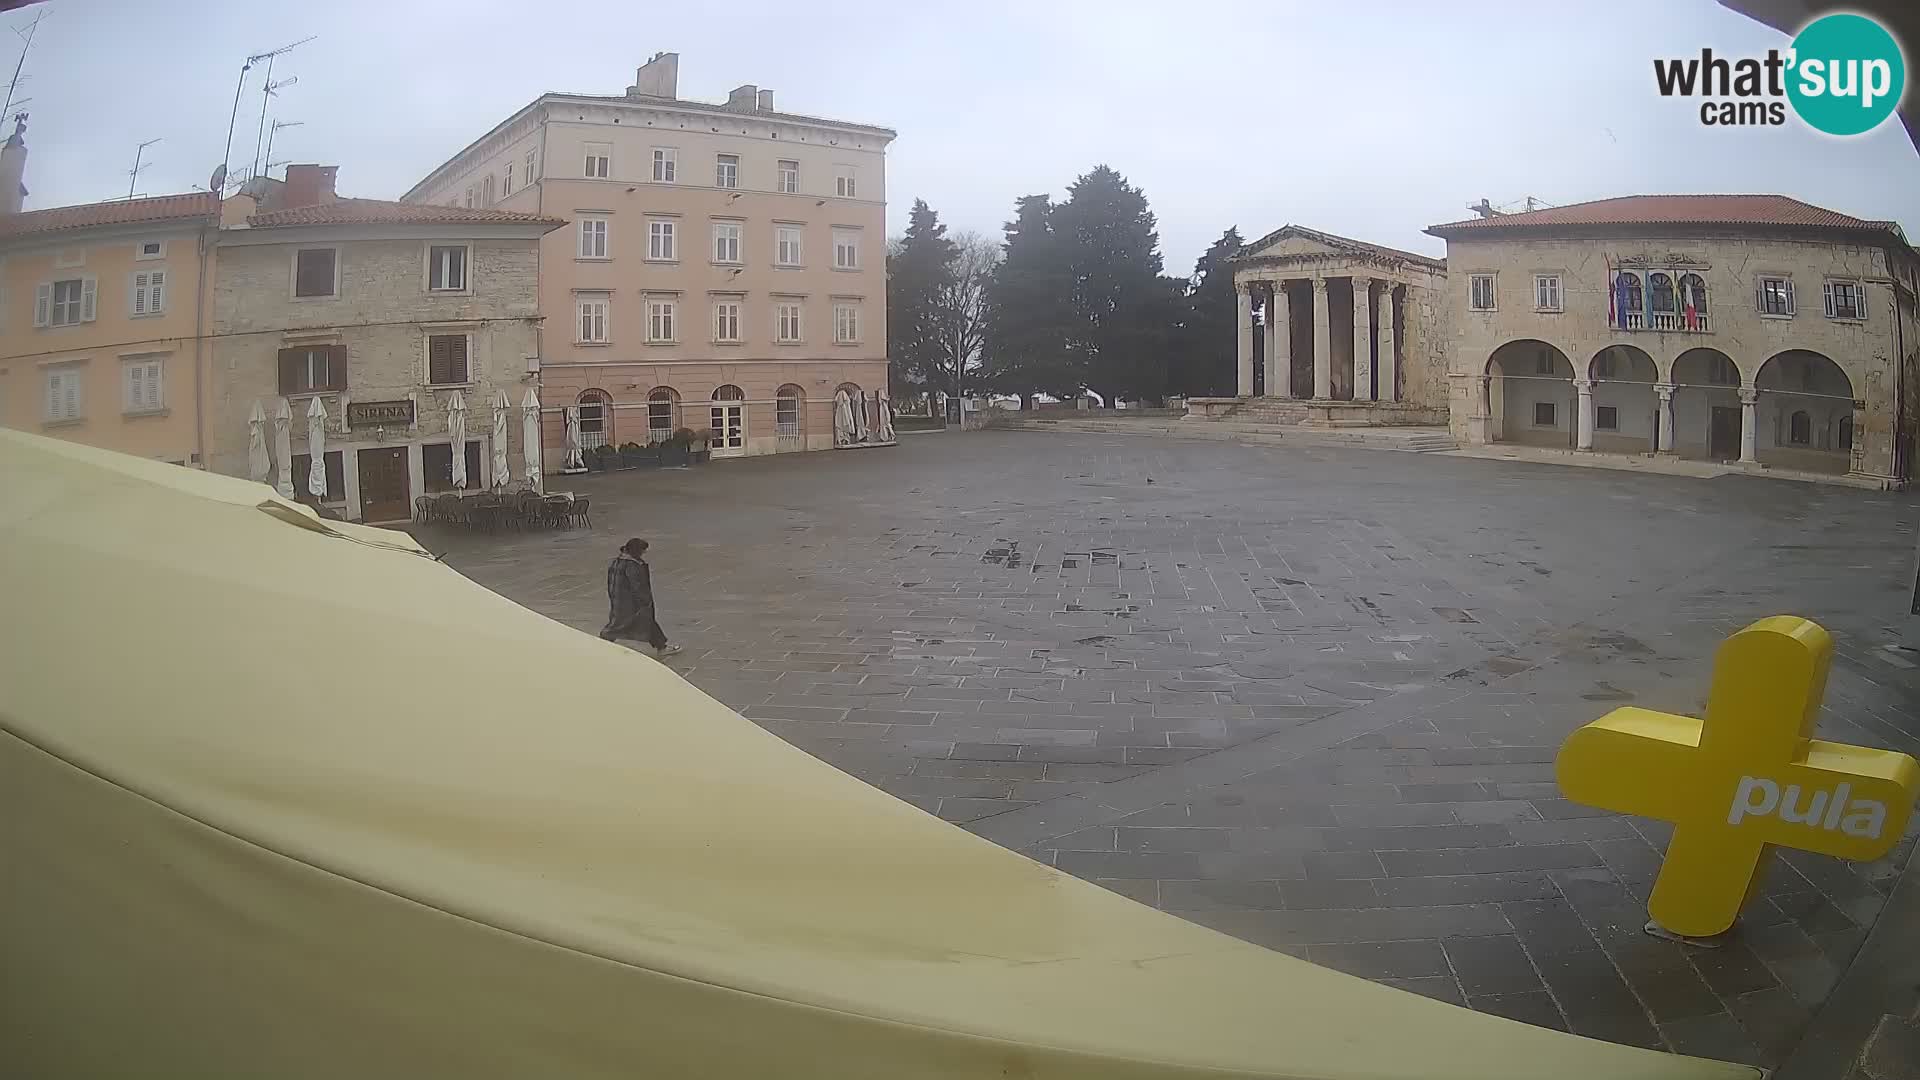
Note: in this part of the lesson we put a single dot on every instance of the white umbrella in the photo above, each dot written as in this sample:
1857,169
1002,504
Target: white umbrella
574,458
259,466
842,418
502,471
530,437
317,449
283,449
860,421
457,431
886,417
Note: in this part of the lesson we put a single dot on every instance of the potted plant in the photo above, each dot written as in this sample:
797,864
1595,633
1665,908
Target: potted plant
701,448
675,451
629,455
649,455
599,458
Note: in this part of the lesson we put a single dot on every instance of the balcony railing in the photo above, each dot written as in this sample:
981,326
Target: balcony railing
1663,322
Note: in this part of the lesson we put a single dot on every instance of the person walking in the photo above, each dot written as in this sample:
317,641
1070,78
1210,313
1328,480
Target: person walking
630,598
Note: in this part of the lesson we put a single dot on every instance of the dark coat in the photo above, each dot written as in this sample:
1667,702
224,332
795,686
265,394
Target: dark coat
629,597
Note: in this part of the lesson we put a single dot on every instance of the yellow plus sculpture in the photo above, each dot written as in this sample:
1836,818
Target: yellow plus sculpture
1749,776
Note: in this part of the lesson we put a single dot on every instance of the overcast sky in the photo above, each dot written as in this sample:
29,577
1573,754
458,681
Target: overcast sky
1372,119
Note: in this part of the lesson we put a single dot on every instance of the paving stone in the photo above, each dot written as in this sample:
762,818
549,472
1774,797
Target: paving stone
1536,1008
1384,959
1715,1035
1495,965
1342,864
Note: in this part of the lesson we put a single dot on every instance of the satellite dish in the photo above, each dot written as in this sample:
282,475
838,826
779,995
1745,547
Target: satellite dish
218,180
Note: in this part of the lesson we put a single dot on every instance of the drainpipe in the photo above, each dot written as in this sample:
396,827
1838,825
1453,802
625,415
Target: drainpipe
199,347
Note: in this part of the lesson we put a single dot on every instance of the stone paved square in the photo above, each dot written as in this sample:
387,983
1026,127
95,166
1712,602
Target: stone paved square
1307,696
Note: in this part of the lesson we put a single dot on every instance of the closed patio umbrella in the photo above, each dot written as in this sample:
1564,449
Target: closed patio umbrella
283,449
495,877
259,465
502,471
843,429
574,458
317,449
530,437
884,409
457,431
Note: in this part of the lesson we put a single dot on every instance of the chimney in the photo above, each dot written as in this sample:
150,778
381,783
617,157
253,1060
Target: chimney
659,77
743,97
13,167
309,185
764,101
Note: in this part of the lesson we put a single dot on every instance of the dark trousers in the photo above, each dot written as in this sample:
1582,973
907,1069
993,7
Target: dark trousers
641,628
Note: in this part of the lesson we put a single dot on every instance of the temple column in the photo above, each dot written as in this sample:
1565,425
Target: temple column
1749,418
1583,430
1664,392
1322,350
1389,364
1362,339
1244,295
1279,340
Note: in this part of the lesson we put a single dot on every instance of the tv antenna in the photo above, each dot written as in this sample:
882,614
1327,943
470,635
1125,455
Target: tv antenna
271,132
133,174
226,157
13,85
267,92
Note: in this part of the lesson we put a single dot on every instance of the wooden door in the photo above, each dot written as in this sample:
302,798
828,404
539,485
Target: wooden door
384,484
1723,433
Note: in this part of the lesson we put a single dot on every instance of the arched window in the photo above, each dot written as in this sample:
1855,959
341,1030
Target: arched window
1800,428
1693,293
662,405
1661,286
729,392
1845,438
596,419
787,411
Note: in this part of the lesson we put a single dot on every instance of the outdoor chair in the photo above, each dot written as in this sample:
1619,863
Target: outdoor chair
528,512
423,509
446,508
578,512
557,509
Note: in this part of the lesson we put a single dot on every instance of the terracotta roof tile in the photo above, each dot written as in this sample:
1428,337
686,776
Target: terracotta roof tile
162,208
1754,210
384,212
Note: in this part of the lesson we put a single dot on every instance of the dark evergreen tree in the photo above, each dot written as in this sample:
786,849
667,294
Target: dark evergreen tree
1209,344
1121,314
1029,310
919,272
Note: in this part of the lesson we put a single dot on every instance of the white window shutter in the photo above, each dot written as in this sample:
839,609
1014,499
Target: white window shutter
139,294
88,293
1760,295
157,290
1789,287
42,304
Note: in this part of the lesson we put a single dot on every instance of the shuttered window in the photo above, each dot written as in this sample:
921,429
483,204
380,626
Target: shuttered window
313,370
143,386
447,359
64,303
313,272
63,394
1774,296
150,292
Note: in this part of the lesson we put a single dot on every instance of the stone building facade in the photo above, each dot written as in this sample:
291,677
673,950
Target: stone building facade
1333,330
723,268
1749,328
393,318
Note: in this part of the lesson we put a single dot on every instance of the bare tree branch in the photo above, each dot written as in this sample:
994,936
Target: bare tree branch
962,306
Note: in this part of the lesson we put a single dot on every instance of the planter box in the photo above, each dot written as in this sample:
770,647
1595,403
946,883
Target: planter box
702,456
674,455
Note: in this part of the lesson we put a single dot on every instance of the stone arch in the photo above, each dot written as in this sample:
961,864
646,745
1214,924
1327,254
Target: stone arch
1803,412
1530,396
1626,410
1707,415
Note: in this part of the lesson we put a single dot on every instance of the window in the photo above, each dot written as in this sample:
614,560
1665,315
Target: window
530,173
593,321
846,250
141,382
660,409
447,360
726,170
596,428
1843,437
1693,297
436,461
1660,289
666,164
63,394
469,198
845,181
446,268
660,236
786,411
786,323
1480,292
313,369
1543,414
486,192
315,272
726,241
1628,301
506,180
726,321
332,464
1606,418
789,177
1800,428
1776,296
151,249
593,238
786,245
149,292
660,320
1846,300
599,161
846,323
1546,292
64,303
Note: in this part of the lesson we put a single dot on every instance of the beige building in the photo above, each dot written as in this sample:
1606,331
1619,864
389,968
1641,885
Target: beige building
723,266
392,332
1334,330
1750,328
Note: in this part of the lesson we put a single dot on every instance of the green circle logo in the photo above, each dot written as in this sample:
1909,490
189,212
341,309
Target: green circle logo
1846,75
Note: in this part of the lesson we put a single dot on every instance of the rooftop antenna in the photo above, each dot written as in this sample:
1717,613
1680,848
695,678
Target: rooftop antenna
226,157
271,132
267,90
133,174
13,84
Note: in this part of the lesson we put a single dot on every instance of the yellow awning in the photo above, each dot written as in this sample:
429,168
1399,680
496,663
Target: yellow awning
283,797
